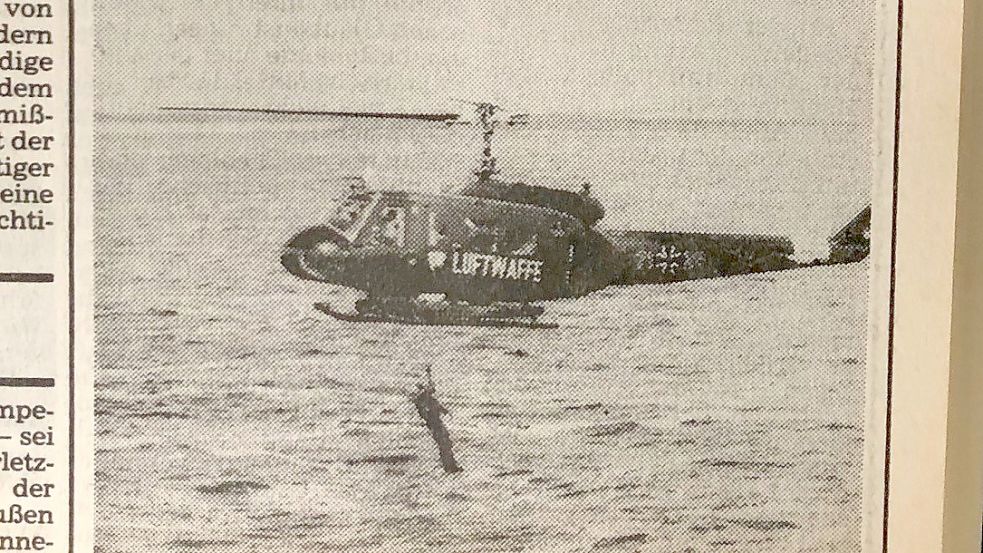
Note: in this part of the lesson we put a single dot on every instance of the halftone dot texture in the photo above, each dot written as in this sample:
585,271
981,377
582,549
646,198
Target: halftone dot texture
713,415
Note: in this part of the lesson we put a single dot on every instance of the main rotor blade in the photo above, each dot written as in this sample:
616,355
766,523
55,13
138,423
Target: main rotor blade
363,114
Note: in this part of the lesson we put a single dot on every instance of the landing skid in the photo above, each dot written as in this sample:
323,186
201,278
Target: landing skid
413,312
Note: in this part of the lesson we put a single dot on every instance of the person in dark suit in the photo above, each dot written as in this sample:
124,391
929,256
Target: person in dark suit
431,410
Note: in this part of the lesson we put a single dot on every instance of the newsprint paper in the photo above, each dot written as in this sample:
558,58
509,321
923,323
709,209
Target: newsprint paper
410,275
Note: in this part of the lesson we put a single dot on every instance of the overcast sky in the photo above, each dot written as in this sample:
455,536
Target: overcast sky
742,58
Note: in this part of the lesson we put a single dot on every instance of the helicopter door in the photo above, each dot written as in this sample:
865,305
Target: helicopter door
394,226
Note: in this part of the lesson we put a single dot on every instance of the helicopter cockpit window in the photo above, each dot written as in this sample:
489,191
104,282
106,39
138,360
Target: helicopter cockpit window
350,211
389,228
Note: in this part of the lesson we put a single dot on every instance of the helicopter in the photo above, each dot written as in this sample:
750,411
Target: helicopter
495,251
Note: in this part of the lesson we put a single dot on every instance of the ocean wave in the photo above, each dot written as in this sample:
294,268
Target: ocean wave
234,487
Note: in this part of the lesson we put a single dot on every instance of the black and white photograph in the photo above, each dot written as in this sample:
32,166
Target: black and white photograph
408,275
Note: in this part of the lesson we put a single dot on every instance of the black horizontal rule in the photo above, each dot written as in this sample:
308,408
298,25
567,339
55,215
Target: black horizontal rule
27,382
27,277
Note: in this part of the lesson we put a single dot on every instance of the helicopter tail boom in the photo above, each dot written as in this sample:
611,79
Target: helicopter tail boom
660,257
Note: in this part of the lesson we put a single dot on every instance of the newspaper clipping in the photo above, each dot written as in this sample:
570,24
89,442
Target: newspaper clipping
407,275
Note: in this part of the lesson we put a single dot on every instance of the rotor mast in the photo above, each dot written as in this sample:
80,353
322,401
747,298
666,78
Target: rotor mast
486,113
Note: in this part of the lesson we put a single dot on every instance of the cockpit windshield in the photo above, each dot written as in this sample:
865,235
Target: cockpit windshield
350,211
